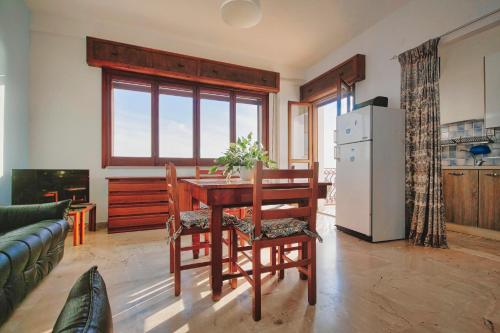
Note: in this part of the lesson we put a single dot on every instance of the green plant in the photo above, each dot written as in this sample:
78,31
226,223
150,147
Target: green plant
245,152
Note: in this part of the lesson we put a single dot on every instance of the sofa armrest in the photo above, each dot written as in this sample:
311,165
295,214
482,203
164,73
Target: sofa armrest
87,307
13,217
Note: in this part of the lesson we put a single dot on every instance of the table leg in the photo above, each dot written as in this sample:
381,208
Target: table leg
92,219
76,229
216,253
82,227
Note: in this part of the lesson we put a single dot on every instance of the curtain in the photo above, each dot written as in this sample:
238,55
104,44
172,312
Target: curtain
420,99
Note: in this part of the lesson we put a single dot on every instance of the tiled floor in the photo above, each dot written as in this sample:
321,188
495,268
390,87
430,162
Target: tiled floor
362,287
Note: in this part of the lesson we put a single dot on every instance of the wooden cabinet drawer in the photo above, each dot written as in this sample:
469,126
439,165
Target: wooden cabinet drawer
489,199
116,224
223,72
136,186
460,188
139,209
124,198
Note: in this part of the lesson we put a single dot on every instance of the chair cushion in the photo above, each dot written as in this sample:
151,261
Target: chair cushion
87,307
199,219
273,228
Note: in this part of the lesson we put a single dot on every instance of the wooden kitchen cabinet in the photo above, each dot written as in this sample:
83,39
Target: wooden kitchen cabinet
460,188
489,199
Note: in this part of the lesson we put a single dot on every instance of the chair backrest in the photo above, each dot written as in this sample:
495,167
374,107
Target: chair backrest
205,173
291,193
173,194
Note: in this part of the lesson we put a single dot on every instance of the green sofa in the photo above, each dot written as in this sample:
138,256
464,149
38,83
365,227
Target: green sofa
31,245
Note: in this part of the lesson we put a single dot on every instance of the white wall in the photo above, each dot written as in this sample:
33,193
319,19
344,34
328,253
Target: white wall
14,61
65,103
461,85
404,29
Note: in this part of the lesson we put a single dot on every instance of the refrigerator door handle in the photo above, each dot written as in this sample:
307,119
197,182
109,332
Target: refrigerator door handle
336,153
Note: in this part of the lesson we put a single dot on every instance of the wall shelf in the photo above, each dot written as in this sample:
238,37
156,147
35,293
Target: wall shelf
471,139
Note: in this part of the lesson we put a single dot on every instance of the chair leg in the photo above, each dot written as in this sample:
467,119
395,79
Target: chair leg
233,253
256,301
195,240
172,257
281,252
272,251
177,266
303,255
311,272
207,239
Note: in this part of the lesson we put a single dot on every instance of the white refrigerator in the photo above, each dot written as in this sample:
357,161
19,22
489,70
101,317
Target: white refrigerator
370,180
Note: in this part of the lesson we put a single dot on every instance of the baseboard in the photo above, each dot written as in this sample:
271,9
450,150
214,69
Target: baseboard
485,233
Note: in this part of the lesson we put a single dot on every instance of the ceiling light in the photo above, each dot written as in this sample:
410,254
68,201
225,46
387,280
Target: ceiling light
241,13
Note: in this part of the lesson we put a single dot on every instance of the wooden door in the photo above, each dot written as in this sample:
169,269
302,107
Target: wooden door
460,189
489,199
300,134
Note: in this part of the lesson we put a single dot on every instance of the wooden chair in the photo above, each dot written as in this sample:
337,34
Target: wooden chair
237,212
186,223
275,228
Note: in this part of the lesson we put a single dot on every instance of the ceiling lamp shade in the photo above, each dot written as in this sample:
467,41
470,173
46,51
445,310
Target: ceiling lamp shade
241,13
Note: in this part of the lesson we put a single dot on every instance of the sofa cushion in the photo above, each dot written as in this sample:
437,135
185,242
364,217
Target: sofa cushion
87,307
13,217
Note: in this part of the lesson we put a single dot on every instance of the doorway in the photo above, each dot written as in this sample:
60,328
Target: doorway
311,137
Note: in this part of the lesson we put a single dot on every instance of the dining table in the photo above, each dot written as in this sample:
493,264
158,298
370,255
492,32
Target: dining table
220,193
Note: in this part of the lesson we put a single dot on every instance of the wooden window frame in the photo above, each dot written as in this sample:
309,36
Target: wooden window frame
108,75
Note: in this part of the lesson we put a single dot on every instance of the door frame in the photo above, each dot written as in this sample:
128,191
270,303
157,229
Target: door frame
310,136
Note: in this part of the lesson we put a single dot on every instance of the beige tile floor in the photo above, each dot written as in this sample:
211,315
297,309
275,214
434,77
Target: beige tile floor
362,287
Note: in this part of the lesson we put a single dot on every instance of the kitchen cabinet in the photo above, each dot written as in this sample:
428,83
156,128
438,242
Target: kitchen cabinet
460,189
489,199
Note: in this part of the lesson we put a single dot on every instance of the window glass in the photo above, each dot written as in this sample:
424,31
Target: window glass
131,119
175,116
248,116
214,123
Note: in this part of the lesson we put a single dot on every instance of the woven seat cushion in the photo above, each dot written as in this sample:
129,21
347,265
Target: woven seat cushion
199,219
273,228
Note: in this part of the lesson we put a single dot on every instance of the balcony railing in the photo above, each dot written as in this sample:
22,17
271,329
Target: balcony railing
329,177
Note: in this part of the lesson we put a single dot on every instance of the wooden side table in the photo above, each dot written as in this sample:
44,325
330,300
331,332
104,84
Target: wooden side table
78,214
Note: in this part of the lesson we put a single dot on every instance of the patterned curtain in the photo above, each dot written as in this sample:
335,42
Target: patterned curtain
420,99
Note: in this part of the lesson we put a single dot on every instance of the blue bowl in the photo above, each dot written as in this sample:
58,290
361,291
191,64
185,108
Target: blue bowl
480,149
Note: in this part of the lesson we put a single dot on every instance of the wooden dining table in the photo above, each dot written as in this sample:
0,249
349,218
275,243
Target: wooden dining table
218,194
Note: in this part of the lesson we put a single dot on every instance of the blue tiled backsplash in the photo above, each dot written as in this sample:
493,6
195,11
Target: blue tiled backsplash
453,155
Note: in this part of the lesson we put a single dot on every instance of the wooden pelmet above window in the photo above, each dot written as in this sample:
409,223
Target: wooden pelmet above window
109,54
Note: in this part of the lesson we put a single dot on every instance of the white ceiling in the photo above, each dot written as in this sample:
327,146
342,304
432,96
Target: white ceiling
294,33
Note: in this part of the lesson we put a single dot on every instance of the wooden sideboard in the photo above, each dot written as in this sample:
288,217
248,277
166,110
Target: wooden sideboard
472,197
140,203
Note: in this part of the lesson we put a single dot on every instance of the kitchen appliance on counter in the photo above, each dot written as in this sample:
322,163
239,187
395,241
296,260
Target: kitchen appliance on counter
370,180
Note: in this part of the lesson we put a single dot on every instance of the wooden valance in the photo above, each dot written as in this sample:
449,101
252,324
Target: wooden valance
109,54
350,72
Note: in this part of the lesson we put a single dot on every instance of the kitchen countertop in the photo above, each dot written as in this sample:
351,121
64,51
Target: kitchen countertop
470,167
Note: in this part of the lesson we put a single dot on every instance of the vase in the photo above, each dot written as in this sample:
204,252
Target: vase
246,173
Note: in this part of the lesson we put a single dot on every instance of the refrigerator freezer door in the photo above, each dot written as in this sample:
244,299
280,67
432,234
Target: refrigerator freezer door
354,126
354,187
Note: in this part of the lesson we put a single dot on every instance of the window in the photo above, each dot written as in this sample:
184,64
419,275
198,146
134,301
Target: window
131,119
248,116
176,122
214,123
150,120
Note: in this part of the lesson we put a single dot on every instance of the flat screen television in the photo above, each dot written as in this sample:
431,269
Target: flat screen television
31,186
